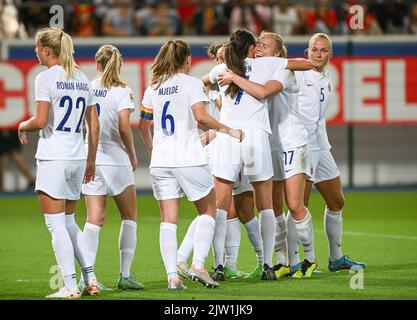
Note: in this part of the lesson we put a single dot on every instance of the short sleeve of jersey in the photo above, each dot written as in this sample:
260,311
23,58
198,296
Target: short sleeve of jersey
197,93
42,92
91,98
216,71
126,100
273,63
146,109
282,76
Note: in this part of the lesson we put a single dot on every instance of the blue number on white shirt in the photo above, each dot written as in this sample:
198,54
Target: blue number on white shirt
321,95
64,99
67,114
166,117
98,109
240,93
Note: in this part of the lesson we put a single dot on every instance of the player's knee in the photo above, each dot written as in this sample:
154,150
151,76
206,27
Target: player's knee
337,204
296,207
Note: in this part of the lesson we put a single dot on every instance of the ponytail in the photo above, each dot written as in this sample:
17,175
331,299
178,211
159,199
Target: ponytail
110,59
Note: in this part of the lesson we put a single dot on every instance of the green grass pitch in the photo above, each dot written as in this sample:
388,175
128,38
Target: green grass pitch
380,228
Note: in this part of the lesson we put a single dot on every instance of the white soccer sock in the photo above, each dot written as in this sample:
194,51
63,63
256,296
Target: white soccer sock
219,237
127,245
293,241
62,245
333,226
187,243
281,244
80,246
92,235
168,246
267,227
306,234
203,237
232,243
252,228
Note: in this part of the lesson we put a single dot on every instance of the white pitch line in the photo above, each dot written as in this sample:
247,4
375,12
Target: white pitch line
376,235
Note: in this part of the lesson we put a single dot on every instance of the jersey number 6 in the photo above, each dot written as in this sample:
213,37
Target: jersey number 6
165,118
80,100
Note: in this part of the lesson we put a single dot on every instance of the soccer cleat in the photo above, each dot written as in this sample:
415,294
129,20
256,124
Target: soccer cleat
255,274
233,274
92,288
268,273
282,271
129,283
218,274
202,275
82,287
345,263
64,293
175,283
182,270
306,269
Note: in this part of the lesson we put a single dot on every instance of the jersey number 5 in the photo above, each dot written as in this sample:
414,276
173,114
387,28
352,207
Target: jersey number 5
80,101
165,118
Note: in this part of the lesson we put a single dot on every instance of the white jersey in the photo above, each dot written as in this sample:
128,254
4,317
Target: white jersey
287,130
111,150
313,100
244,110
176,141
62,138
211,107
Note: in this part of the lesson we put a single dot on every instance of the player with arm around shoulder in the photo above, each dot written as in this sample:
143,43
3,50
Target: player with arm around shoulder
63,99
175,102
313,99
115,162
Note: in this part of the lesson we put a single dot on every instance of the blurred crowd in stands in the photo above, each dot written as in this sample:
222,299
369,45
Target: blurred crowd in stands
122,18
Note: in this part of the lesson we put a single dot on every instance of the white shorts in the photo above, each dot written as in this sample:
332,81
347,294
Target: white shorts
171,183
323,166
290,162
241,185
109,181
252,156
60,179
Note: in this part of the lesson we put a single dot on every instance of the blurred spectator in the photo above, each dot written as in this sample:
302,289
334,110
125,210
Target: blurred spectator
119,20
10,25
10,145
254,15
158,19
84,23
186,11
210,18
301,26
284,18
34,15
391,16
412,19
322,19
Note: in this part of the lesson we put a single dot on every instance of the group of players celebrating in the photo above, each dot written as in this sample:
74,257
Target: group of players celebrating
264,142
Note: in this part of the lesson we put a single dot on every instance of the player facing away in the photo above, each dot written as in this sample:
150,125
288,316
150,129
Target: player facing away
115,162
249,113
63,99
313,99
290,158
175,102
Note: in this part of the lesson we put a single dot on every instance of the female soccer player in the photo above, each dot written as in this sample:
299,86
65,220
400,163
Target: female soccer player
175,102
63,99
313,100
249,113
115,162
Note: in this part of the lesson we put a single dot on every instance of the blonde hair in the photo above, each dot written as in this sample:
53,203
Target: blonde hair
61,45
321,36
213,48
170,58
110,60
279,43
